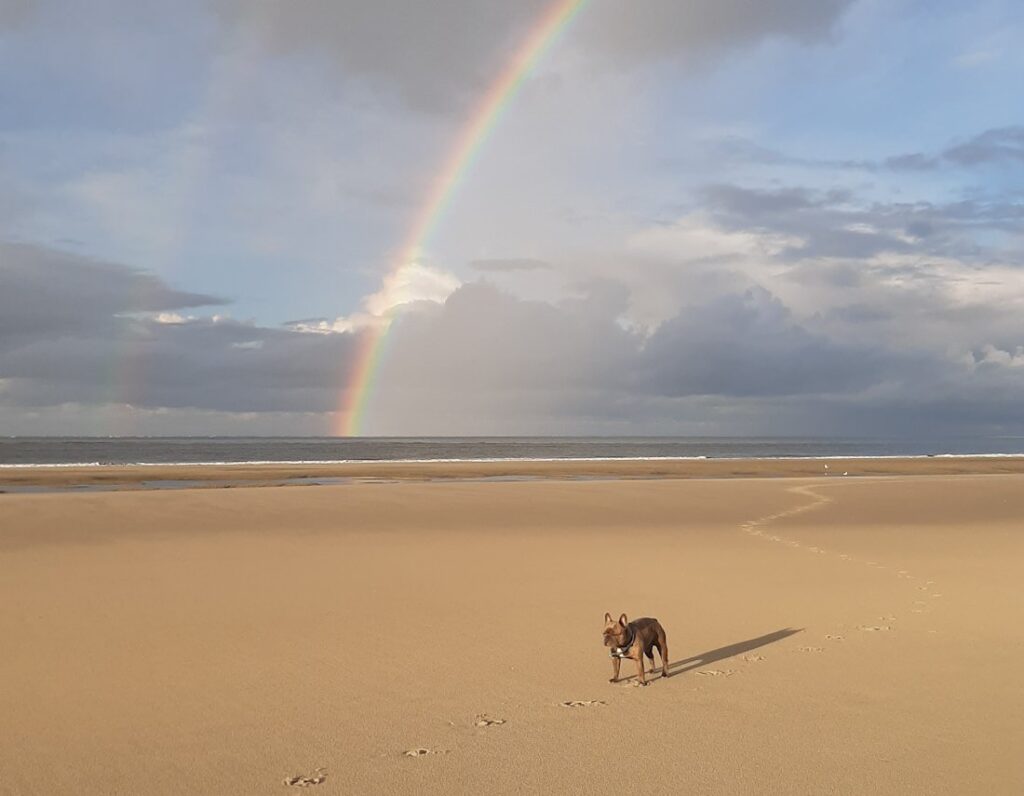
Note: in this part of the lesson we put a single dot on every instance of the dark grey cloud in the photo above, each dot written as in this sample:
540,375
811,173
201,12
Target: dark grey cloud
650,29
835,223
487,360
750,345
433,54
430,54
74,330
46,291
14,12
1001,145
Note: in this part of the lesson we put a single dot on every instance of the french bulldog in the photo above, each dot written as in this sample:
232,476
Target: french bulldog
635,640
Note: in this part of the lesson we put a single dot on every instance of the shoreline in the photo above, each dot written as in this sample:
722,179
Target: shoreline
15,478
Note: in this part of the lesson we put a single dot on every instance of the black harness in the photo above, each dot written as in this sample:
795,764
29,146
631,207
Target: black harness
623,651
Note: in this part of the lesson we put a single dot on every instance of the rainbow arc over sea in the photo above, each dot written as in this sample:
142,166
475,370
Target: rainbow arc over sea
474,134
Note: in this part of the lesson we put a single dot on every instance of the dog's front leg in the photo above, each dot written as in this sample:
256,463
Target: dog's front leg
615,670
640,668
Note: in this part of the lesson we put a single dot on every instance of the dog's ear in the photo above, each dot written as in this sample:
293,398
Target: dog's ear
607,619
623,620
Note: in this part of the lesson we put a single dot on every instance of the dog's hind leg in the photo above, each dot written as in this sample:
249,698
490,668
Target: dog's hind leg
663,651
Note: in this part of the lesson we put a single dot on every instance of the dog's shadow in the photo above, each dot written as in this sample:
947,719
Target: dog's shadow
722,653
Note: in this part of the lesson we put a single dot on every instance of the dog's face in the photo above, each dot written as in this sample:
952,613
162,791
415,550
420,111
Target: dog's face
614,631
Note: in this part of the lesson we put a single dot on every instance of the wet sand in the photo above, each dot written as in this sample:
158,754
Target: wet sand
849,635
234,475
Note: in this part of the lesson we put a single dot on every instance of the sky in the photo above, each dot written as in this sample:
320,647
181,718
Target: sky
702,217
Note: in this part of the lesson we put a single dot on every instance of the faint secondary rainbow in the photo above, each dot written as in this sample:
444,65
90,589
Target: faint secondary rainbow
371,346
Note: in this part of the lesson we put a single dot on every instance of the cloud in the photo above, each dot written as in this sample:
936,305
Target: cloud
444,52
44,291
501,265
431,54
834,223
999,145
409,284
1005,144
14,12
103,341
655,29
781,310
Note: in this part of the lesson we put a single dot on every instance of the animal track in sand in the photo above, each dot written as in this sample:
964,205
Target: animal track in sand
307,780
423,751
753,658
483,720
873,628
582,703
716,672
810,649
833,637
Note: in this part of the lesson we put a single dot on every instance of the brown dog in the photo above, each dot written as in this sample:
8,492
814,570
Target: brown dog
635,640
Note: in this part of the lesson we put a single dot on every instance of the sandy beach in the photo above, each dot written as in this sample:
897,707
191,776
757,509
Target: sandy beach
827,635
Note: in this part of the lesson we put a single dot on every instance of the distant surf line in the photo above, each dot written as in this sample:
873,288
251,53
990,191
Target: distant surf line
515,459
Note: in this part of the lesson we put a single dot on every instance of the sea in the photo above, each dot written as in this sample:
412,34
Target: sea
86,451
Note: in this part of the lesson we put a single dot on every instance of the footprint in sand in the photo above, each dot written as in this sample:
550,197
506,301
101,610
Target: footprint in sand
887,618
717,672
423,751
307,780
582,703
484,720
873,628
809,649
753,658
832,637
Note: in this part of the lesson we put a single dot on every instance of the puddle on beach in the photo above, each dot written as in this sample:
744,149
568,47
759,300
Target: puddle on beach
156,483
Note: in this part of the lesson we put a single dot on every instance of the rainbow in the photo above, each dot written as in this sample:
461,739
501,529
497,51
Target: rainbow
371,344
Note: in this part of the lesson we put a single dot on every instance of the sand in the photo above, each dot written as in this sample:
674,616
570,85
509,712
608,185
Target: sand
827,635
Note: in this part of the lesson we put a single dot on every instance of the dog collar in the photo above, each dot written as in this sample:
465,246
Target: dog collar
623,650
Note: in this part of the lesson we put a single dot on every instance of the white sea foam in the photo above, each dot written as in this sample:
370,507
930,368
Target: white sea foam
507,459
